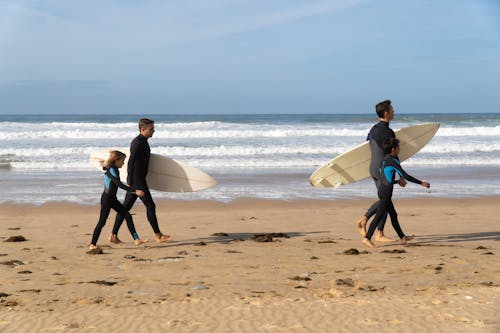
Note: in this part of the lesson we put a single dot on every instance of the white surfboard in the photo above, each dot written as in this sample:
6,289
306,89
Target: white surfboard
354,164
164,174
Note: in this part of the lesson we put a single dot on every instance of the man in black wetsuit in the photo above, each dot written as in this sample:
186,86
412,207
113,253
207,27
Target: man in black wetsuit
137,168
378,133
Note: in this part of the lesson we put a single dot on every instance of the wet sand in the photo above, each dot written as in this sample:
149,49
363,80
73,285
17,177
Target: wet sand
308,272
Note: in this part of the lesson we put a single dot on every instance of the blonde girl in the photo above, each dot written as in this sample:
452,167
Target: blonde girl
109,200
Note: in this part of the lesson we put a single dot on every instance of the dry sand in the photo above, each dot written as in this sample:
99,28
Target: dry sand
446,280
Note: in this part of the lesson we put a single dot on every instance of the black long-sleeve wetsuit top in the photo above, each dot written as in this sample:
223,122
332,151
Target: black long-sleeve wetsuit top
378,133
138,162
388,168
112,182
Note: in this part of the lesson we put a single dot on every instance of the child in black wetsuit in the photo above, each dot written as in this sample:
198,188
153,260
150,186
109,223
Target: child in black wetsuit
388,169
109,200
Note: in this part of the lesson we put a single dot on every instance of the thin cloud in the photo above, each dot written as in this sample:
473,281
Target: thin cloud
278,17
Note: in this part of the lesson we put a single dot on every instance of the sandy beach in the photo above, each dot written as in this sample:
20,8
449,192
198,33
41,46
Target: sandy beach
216,276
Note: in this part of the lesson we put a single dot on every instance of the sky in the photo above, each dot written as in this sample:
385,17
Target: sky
248,56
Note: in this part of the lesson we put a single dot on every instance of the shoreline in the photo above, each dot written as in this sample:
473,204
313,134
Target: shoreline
253,200
216,277
60,186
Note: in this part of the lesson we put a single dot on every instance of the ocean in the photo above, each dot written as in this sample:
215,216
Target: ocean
45,158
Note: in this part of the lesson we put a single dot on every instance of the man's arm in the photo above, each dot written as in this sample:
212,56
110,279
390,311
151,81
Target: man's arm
131,162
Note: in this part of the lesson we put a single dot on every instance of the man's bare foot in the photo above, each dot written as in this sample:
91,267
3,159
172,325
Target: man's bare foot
140,241
114,239
380,237
406,239
368,242
161,238
361,225
92,247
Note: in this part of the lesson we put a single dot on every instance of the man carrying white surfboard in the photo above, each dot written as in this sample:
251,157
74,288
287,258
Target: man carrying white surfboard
378,133
137,169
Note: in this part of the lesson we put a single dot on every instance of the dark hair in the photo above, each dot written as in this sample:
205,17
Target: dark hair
145,122
382,107
389,144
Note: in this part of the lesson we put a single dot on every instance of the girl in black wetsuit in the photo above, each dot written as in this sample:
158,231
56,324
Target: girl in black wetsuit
109,200
388,169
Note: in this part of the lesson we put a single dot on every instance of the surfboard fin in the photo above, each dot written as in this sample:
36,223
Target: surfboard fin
316,181
337,184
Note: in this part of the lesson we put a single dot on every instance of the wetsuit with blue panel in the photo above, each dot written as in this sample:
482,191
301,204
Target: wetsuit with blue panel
109,201
389,167
378,133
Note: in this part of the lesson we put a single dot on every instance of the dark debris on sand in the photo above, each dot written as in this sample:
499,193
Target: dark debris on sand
8,303
16,239
354,251
268,237
489,284
24,272
220,234
300,278
103,282
12,263
394,251
345,282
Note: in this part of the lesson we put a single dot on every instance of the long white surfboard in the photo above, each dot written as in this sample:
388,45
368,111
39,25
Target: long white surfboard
164,174
354,164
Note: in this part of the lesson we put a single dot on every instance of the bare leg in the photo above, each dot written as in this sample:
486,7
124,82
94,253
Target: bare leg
380,237
368,242
114,239
140,241
161,238
361,225
406,239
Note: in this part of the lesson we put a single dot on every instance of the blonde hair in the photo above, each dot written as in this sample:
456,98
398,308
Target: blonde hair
114,155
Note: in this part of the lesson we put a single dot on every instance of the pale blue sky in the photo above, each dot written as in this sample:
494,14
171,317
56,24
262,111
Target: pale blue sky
248,56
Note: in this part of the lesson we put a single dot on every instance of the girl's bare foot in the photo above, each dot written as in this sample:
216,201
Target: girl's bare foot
361,225
114,239
380,237
368,242
140,241
406,239
92,247
161,238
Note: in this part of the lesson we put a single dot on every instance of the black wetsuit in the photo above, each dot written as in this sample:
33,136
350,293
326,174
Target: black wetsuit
109,201
138,165
387,175
378,133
